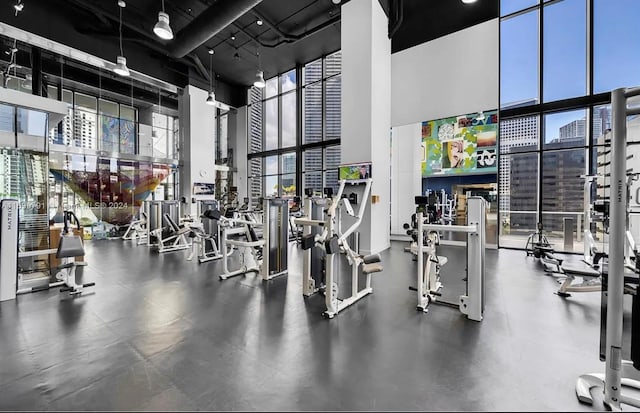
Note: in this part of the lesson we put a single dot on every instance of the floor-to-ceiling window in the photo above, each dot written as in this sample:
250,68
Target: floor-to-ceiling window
559,61
294,130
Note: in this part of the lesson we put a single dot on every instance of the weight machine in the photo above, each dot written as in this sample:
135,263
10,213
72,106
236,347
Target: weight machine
327,235
617,377
205,234
428,276
169,236
137,229
267,256
69,247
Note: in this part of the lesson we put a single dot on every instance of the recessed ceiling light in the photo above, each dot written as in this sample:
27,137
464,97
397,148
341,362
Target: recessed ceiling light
259,22
233,37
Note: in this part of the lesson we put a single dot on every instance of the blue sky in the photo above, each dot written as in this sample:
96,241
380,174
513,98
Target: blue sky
616,52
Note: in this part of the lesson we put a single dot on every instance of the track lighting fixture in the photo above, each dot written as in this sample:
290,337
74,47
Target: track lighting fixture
121,61
162,29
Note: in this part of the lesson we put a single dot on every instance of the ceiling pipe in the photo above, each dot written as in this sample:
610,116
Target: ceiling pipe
209,23
396,16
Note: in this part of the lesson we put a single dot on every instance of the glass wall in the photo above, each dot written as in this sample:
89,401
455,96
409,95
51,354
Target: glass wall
558,67
289,148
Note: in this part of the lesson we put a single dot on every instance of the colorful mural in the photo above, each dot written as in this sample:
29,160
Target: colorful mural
112,188
460,145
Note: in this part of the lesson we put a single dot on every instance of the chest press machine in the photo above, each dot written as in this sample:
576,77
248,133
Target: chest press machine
266,256
428,274
327,236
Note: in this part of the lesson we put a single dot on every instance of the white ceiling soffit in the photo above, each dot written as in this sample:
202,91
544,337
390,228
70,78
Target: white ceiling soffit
75,54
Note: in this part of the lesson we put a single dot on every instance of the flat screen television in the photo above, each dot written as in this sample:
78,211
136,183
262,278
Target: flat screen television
200,188
354,171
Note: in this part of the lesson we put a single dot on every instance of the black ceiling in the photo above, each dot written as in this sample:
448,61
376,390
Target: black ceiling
294,32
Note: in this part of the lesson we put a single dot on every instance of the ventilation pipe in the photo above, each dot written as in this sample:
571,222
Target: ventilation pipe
209,23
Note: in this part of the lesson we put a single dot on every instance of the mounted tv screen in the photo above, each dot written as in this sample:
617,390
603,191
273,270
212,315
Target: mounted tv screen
204,189
355,171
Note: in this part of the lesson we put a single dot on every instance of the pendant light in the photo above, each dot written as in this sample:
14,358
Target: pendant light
162,28
259,82
121,61
211,99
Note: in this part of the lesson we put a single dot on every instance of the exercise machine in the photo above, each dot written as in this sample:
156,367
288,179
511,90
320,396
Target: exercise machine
334,242
428,275
69,247
313,256
205,233
137,229
538,246
164,233
617,378
266,256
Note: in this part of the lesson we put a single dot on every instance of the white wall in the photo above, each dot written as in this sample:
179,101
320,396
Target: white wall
453,75
198,146
407,182
449,76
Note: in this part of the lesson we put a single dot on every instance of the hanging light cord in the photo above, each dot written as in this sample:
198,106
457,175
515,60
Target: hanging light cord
210,72
163,6
120,31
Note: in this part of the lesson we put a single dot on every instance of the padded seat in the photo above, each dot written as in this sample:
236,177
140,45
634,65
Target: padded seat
371,268
580,271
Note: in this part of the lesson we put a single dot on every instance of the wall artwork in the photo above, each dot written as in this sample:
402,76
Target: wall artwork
465,144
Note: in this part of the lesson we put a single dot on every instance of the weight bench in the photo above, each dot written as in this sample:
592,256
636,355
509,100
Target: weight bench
591,281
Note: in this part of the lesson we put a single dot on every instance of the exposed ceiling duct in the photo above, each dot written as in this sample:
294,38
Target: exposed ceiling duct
209,23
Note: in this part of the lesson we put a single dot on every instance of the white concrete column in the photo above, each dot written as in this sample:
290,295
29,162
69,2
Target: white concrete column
366,110
197,143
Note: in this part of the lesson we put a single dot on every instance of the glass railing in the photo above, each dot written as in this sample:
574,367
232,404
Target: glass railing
563,229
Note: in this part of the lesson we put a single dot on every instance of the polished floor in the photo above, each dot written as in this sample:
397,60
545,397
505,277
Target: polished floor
162,333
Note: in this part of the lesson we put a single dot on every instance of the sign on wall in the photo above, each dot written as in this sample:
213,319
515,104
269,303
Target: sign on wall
460,145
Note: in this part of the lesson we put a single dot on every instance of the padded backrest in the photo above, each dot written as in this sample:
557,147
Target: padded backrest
171,222
70,246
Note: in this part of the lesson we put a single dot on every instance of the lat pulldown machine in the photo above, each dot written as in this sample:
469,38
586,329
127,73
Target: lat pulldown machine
326,235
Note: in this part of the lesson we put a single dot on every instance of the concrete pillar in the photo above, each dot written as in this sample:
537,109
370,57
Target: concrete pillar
366,110
197,144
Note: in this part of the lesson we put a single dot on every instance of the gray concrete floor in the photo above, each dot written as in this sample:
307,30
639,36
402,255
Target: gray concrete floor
162,333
